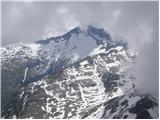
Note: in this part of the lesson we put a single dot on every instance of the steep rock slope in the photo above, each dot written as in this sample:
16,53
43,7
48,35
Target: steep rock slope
82,74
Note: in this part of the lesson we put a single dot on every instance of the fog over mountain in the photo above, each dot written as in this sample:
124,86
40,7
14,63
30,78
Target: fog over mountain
134,22
50,40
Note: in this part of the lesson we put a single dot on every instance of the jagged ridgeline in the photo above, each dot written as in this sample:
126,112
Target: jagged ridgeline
81,74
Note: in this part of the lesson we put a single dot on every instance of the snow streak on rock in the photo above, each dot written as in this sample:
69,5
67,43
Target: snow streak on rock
82,74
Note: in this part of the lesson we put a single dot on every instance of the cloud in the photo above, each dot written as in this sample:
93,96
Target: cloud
146,69
62,10
139,36
116,15
68,18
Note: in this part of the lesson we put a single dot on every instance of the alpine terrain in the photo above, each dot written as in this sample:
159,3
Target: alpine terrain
81,74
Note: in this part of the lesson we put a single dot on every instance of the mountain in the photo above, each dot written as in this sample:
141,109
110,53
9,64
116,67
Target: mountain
81,74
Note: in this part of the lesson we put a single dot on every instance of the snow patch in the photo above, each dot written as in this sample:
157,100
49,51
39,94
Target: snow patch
97,50
34,47
25,74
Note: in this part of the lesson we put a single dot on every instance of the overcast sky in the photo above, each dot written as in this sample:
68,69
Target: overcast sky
135,22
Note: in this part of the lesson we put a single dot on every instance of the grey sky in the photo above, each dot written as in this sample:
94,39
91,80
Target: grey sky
29,21
135,22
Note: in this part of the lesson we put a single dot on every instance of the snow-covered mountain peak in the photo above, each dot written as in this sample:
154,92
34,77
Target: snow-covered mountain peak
81,74
98,34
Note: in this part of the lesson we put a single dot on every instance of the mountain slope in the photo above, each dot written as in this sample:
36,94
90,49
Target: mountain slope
82,74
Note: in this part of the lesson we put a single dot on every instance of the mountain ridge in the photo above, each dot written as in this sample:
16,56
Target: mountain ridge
71,75
77,30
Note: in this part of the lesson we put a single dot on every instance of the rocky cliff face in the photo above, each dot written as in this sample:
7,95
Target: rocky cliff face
82,74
